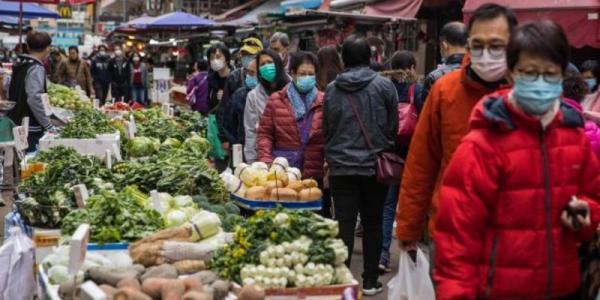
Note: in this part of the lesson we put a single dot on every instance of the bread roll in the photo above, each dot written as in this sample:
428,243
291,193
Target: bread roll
284,194
256,193
310,194
310,183
295,185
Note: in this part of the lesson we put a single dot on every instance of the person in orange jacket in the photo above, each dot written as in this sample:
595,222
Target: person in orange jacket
444,119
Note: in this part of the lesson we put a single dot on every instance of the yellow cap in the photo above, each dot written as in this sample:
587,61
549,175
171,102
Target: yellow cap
252,46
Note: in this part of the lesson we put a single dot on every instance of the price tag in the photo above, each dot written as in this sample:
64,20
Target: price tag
96,103
46,103
20,134
238,156
108,159
81,195
166,108
25,123
78,249
131,128
156,201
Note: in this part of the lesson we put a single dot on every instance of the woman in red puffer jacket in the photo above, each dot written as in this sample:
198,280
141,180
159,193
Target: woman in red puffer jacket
291,125
503,230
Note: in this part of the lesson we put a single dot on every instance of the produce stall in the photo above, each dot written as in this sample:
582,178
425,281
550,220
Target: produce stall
160,222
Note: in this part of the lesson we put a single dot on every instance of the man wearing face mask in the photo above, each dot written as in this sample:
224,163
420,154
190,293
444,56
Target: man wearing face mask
75,72
27,87
444,119
280,43
119,76
233,112
101,74
453,45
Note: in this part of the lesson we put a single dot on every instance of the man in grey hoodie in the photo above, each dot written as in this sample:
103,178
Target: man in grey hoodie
27,87
351,161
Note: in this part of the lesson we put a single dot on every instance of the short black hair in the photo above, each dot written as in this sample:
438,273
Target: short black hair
38,41
490,11
221,47
102,47
73,48
589,65
280,78
403,60
356,52
574,87
541,38
455,34
302,57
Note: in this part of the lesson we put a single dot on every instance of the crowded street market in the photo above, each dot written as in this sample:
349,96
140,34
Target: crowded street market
299,149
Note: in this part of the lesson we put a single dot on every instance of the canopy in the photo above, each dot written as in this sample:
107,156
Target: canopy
178,19
30,10
252,17
578,18
394,8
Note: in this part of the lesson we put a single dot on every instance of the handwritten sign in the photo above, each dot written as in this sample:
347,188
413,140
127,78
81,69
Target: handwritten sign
20,134
81,195
78,249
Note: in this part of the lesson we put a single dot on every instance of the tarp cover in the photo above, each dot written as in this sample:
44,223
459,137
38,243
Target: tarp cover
579,18
394,8
30,10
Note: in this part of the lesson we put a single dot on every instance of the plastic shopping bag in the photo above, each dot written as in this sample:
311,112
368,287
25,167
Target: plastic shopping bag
213,137
412,281
17,280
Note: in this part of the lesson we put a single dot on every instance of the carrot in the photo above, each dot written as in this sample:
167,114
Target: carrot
153,287
173,290
127,293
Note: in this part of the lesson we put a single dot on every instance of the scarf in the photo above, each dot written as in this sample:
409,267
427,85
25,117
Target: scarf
300,106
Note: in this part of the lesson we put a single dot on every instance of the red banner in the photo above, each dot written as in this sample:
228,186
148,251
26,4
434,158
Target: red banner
77,2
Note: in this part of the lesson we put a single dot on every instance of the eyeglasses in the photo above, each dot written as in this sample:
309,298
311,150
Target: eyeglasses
531,77
495,51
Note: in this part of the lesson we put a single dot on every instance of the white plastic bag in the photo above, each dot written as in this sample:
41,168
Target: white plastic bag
17,280
412,281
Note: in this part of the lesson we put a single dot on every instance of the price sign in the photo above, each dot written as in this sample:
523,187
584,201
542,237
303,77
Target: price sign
81,195
78,249
20,134
237,151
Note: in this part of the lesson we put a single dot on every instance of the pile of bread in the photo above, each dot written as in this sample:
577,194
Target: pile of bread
279,182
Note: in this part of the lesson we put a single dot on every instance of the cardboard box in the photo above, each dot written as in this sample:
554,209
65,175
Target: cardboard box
96,147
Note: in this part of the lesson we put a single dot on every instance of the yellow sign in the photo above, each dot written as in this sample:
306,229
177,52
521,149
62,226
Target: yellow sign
65,11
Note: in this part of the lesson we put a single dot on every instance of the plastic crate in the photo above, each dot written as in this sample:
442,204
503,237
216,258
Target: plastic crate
96,147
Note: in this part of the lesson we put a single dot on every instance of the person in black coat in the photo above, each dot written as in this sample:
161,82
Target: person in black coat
119,76
100,74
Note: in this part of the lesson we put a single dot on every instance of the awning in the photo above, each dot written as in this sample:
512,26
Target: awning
178,19
394,8
30,10
355,16
579,18
252,17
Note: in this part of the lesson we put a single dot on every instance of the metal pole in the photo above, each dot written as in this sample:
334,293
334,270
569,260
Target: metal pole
20,26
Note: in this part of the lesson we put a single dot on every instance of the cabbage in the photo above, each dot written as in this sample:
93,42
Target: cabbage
175,218
282,162
294,174
234,185
207,223
58,275
246,174
259,165
182,201
142,146
171,142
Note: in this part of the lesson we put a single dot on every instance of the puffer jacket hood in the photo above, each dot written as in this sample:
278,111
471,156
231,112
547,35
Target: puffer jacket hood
496,111
355,79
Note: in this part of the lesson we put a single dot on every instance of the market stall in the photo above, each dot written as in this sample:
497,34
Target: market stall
149,217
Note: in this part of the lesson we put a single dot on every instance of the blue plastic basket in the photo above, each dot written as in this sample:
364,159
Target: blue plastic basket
258,205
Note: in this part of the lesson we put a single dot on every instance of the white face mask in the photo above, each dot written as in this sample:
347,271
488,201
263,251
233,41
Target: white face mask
136,59
217,64
118,52
489,68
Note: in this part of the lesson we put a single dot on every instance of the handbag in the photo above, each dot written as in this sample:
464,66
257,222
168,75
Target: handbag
407,115
388,165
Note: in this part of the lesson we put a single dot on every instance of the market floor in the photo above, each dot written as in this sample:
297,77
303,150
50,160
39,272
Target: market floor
357,263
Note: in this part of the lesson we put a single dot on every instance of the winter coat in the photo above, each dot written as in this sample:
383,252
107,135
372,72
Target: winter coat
99,70
499,233
376,100
233,118
256,101
234,81
197,87
452,63
78,71
118,71
442,124
279,130
592,131
144,69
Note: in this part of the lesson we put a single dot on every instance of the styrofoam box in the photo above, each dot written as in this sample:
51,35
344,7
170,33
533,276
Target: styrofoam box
96,147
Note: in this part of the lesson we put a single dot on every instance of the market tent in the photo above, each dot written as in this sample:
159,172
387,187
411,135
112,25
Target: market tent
141,21
9,20
579,18
178,19
30,10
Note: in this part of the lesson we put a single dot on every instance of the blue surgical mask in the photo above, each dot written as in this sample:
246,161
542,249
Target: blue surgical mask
246,60
591,83
251,81
306,83
536,97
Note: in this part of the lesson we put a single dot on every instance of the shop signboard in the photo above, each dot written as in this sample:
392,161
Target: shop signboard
161,85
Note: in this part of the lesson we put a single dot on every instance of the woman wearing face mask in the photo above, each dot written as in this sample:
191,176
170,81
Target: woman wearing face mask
520,192
138,79
590,71
291,123
218,56
271,78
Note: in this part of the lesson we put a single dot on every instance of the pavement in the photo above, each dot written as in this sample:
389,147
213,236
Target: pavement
357,266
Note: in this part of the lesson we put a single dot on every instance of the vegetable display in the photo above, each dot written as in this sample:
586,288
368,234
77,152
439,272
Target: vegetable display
280,182
156,124
87,123
285,248
114,217
67,98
